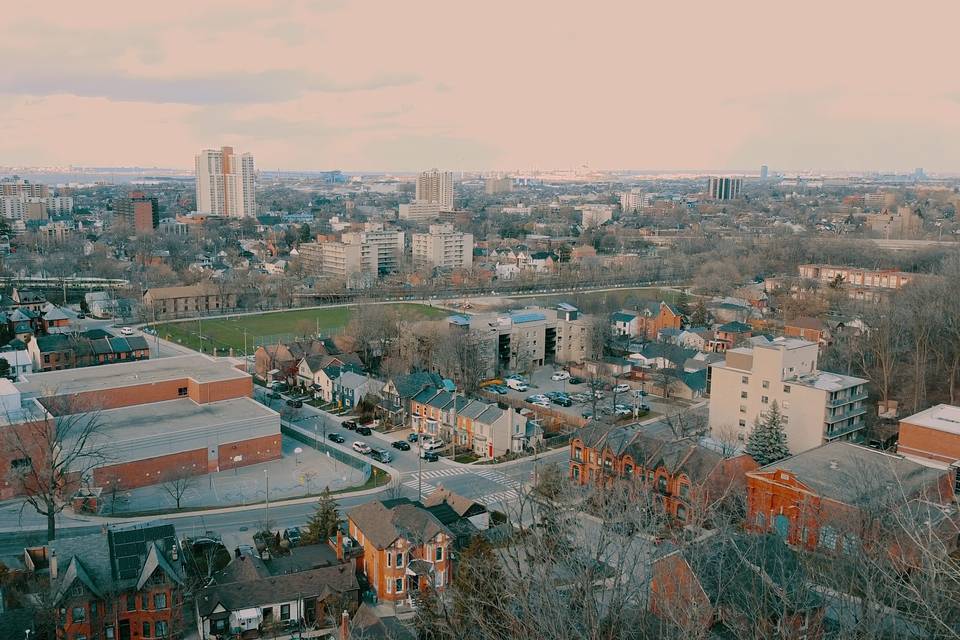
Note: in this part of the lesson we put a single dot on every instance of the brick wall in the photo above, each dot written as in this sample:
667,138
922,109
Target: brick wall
928,443
147,393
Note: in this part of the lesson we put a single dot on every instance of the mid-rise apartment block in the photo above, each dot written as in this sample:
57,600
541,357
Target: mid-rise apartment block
854,277
594,215
635,200
443,247
817,406
372,253
435,186
139,212
226,183
496,186
17,186
724,188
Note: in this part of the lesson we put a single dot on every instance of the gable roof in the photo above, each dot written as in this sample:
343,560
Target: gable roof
411,384
623,316
384,522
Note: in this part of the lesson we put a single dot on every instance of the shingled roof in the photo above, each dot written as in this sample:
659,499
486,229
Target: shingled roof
382,523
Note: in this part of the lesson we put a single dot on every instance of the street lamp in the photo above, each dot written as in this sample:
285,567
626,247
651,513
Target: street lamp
297,452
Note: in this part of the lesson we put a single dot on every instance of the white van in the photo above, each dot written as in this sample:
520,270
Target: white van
517,385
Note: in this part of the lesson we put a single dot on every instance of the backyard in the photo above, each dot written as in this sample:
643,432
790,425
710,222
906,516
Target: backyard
236,332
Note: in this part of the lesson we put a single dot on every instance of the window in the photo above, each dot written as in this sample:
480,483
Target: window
828,537
744,380
743,395
398,586
761,521
389,558
144,602
46,359
684,490
182,392
681,512
79,614
146,629
742,423
284,612
786,388
765,384
93,609
160,601
439,579
439,555
743,408
389,586
764,399
785,404
399,559
662,484
161,629
20,464
109,633
131,602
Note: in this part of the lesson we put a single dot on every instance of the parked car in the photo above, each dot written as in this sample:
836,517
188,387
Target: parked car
586,413
540,397
361,447
644,406
363,431
563,401
402,445
576,380
429,456
293,535
499,388
350,425
541,403
621,388
639,393
273,395
381,455
579,397
81,316
126,331
517,385
293,402
560,375
412,437
278,385
433,444
335,437
623,411
598,394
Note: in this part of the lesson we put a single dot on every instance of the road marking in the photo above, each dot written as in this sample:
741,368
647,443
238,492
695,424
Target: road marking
425,488
440,473
502,496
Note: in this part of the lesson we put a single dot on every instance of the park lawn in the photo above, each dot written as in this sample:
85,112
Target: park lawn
228,333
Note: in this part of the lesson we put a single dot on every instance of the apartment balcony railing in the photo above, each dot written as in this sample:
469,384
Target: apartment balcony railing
849,413
854,397
833,434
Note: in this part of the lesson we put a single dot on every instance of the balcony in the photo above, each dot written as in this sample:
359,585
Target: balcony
849,413
833,434
847,399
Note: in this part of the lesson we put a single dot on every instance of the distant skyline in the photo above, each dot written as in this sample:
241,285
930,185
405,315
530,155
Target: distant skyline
388,86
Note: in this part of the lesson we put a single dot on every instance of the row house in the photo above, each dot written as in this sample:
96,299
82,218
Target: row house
405,548
397,394
683,474
318,372
124,583
482,428
59,351
835,496
281,361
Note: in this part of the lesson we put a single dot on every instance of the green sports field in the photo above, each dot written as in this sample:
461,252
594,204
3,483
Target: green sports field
260,328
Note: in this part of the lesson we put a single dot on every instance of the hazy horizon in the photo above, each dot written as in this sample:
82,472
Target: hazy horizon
309,85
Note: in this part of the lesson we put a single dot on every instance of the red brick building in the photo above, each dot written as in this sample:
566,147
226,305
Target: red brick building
156,419
125,583
811,329
932,436
650,322
832,497
684,475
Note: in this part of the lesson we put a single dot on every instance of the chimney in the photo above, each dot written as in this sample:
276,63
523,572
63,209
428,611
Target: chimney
344,625
174,552
339,544
53,564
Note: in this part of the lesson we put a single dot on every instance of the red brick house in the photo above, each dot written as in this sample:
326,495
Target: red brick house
405,548
810,329
684,475
717,587
832,497
124,583
651,320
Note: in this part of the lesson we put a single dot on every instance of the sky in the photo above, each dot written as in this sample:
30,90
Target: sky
495,85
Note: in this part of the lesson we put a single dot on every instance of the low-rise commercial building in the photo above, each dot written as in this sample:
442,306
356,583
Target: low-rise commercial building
932,436
817,406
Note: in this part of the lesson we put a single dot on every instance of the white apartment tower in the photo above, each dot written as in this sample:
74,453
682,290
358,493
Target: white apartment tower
443,247
436,186
226,183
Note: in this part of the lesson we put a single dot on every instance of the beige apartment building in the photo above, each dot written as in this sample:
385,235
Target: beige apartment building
443,247
435,186
818,406
162,303
853,277
372,253
226,183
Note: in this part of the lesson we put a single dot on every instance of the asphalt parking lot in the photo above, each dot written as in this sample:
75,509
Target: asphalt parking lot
540,382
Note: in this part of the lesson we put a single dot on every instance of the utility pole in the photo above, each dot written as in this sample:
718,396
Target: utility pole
266,508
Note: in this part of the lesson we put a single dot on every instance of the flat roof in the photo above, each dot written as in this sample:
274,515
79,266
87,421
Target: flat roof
826,380
172,416
198,367
943,417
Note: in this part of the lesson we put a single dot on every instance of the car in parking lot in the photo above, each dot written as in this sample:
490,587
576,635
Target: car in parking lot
273,395
402,445
517,385
292,534
293,402
126,331
644,406
335,437
541,403
498,388
363,431
563,401
639,393
350,425
623,387
560,375
576,380
429,456
579,397
361,447
586,413
381,455
412,437
539,397
433,444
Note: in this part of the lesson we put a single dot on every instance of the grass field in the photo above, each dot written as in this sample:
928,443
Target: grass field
227,333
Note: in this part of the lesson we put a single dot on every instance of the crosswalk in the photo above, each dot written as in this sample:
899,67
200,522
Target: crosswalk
426,488
502,496
441,473
510,492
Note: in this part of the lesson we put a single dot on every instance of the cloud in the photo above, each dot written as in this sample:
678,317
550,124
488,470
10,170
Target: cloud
221,88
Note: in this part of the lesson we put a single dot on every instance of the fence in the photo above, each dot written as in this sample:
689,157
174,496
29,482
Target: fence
317,440
549,417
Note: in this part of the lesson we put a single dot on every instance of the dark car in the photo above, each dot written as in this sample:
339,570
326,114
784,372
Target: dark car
335,437
576,380
293,402
412,437
429,456
81,316
563,401
364,431
381,455
350,425
400,444
293,535
273,395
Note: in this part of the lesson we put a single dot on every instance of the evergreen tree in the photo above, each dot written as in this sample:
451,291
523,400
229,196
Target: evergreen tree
305,235
699,317
683,304
768,440
324,521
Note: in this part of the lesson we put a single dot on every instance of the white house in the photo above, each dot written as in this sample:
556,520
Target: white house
19,360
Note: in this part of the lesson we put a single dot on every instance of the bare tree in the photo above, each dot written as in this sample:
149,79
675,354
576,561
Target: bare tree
53,455
177,486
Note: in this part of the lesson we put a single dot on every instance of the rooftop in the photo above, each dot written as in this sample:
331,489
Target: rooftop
826,381
177,416
197,367
943,417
